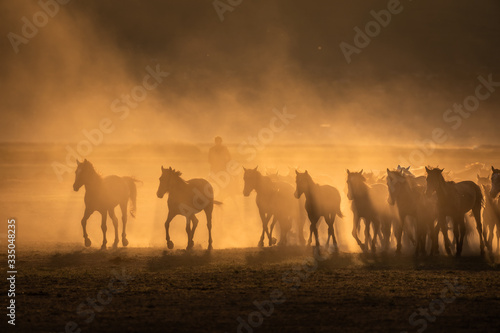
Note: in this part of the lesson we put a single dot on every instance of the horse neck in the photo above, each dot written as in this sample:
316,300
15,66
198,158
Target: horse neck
360,191
311,188
443,190
178,184
93,182
264,185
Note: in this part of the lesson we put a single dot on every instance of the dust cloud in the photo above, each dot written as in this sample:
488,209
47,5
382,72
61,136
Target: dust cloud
226,78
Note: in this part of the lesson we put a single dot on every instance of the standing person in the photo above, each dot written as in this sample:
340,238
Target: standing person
218,156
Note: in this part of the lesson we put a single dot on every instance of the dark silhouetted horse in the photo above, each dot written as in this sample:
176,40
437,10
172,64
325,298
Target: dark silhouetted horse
186,198
321,201
299,221
495,182
274,200
369,203
103,195
413,205
455,200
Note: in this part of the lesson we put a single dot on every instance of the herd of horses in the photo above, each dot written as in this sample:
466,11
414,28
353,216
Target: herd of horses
398,205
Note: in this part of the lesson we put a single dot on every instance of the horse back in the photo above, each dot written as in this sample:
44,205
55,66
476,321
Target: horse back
112,191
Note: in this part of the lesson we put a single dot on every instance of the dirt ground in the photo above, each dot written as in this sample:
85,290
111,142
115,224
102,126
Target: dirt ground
70,288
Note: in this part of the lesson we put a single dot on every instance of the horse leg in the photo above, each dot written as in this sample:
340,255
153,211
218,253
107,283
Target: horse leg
265,220
376,232
355,231
170,217
479,226
123,207
456,236
368,238
189,233
86,216
331,232
208,213
272,240
443,225
311,231
112,214
104,214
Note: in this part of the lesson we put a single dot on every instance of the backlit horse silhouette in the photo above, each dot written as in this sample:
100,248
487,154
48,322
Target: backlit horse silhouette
495,182
103,195
413,205
455,200
275,201
321,201
369,203
186,198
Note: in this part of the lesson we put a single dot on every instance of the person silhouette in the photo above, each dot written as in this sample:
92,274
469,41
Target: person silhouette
218,156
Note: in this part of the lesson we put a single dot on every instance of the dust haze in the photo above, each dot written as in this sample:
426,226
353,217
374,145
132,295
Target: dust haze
226,78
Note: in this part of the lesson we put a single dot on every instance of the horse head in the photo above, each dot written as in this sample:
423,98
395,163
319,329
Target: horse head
302,181
495,182
251,178
354,180
394,181
81,174
434,180
166,179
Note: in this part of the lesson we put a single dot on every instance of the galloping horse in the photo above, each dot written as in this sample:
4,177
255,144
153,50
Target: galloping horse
186,198
413,205
274,200
369,204
321,200
301,216
103,195
455,200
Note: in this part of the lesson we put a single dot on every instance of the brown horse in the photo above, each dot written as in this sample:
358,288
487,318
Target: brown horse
369,203
103,195
413,205
275,201
495,182
186,198
321,201
455,200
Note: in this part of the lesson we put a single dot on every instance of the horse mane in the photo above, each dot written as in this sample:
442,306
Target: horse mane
175,173
88,164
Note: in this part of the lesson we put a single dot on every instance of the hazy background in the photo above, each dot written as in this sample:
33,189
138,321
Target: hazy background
225,79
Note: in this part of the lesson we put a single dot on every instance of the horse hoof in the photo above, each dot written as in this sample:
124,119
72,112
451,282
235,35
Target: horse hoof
115,245
87,242
210,248
190,245
170,245
103,247
272,241
124,242
261,244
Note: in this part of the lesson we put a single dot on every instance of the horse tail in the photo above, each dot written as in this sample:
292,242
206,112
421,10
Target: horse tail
133,194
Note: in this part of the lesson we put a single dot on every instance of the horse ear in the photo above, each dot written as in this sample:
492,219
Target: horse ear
361,171
245,169
78,162
296,172
492,168
162,168
348,172
427,169
256,168
388,171
307,172
441,170
408,168
478,176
